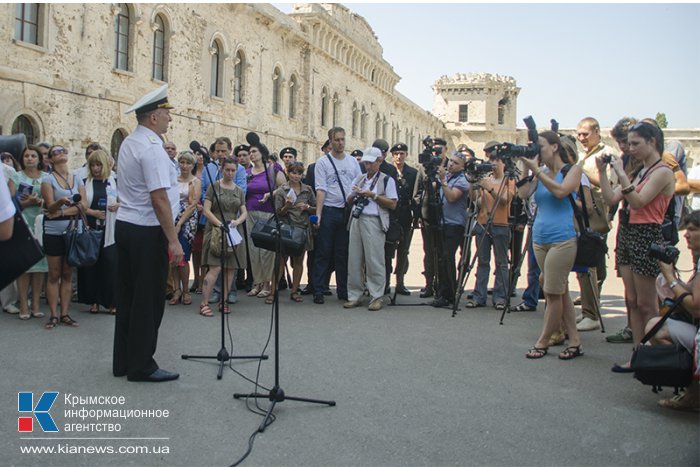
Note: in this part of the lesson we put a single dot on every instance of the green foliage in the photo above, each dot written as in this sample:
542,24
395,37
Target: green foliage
661,120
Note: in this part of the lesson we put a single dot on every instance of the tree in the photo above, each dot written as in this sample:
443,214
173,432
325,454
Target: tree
661,119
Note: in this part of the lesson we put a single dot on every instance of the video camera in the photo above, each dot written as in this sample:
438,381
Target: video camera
430,157
476,169
507,151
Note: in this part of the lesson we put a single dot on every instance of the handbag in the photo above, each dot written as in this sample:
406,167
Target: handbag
82,243
265,236
662,365
591,246
215,243
20,252
598,219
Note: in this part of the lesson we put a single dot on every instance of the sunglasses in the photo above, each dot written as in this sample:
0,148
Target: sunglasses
58,151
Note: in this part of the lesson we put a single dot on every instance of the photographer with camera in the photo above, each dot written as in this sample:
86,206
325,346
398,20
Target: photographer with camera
373,196
645,201
681,328
492,190
453,197
434,156
554,238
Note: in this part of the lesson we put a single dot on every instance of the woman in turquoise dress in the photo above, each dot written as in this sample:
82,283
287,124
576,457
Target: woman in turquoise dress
28,186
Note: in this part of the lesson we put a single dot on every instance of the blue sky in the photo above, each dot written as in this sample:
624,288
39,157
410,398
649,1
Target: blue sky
570,60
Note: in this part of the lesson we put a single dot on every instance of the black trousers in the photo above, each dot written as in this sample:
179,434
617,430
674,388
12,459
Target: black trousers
447,269
406,222
142,271
429,255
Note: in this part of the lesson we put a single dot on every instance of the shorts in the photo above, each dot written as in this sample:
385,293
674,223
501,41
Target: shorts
555,261
632,248
682,333
54,245
198,239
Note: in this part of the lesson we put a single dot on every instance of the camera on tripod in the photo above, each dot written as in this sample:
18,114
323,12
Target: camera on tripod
476,170
430,157
665,253
359,202
508,151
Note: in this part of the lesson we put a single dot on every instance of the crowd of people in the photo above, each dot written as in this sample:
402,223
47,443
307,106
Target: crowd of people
358,212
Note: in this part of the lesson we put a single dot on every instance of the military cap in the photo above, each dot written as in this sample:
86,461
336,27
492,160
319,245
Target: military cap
156,99
399,147
356,153
289,150
381,144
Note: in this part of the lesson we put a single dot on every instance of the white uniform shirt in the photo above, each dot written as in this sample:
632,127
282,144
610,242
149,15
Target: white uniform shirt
144,167
7,208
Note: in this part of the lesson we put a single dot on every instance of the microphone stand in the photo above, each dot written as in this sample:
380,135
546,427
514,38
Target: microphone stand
276,394
222,356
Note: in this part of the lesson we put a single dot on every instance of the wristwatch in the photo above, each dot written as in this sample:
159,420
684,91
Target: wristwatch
375,196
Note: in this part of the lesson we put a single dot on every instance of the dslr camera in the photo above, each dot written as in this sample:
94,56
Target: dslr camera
359,204
665,253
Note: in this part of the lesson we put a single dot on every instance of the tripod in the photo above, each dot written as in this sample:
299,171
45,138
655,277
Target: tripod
276,393
514,274
222,356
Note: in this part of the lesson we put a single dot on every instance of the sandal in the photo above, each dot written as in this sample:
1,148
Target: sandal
186,299
38,314
264,294
500,306
53,322
24,316
94,309
204,310
296,297
112,311
68,321
177,295
571,353
270,300
536,352
226,309
472,304
680,402
255,290
524,307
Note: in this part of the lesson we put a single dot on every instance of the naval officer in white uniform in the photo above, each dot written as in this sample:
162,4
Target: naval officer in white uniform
145,237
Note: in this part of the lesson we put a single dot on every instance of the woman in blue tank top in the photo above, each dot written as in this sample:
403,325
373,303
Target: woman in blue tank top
554,239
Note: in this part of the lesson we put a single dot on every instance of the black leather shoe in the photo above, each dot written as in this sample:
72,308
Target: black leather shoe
308,290
402,290
318,299
327,293
157,376
440,302
427,293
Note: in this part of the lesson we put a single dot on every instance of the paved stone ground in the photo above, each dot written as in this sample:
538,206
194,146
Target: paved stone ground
413,386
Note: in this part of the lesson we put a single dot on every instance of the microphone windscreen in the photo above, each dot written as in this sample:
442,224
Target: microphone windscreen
195,146
252,138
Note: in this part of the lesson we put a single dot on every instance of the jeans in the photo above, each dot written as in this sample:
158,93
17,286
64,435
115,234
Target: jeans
452,236
499,241
531,294
331,244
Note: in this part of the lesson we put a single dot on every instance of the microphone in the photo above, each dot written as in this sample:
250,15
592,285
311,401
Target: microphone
197,148
77,198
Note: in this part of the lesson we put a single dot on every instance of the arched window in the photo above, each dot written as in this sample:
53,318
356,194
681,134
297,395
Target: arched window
117,139
502,110
216,69
293,85
336,110
363,123
324,107
276,83
238,78
121,38
25,124
27,22
160,50
355,118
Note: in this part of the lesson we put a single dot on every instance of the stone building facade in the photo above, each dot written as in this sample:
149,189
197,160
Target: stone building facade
68,72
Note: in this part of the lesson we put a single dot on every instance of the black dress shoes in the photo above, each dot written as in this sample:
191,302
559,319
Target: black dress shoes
308,290
427,293
318,299
157,376
402,290
440,302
